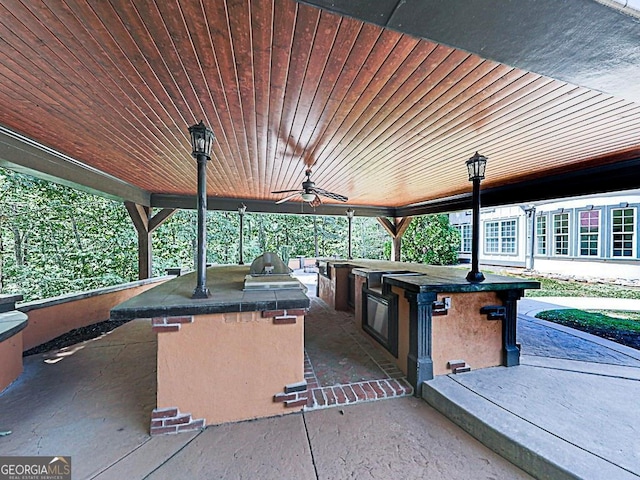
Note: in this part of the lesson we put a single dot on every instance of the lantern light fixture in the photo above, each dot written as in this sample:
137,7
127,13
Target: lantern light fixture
476,167
201,140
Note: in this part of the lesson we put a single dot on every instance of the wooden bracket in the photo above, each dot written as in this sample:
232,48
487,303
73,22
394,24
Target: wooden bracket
145,224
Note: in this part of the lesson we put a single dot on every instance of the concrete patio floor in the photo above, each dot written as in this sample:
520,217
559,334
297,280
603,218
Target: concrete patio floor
566,412
93,402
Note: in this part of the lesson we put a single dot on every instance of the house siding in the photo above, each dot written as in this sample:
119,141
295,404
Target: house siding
585,252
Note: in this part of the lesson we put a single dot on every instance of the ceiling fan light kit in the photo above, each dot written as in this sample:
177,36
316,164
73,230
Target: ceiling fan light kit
309,193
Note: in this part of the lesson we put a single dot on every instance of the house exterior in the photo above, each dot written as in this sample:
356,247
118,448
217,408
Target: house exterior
590,236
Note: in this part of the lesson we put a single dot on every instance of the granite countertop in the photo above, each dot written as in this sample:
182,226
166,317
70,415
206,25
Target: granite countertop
8,301
173,298
11,323
432,278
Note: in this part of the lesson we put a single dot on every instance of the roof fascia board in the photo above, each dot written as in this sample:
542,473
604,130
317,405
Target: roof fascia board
23,155
615,177
265,206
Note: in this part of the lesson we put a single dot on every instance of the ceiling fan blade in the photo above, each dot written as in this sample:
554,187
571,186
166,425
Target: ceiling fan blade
334,196
288,197
287,191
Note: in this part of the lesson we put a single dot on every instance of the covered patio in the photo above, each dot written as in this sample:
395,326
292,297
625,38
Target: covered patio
319,108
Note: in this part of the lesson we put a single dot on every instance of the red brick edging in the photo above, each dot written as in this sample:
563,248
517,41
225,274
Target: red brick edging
336,395
170,420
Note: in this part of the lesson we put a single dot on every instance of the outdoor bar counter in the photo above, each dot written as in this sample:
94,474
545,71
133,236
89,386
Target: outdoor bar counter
234,356
430,319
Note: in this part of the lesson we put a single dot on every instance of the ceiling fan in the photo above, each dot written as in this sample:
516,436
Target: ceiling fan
310,193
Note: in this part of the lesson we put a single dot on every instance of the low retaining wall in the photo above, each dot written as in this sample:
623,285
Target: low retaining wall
51,317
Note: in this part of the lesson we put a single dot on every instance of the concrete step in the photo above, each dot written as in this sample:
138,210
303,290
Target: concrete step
533,449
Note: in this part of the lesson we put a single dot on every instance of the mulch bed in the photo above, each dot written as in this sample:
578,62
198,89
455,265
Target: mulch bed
76,335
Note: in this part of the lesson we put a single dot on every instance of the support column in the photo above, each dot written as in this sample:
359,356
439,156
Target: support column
396,249
419,361
145,224
350,254
201,290
510,352
396,229
531,227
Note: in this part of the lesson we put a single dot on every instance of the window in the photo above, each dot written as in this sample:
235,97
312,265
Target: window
589,233
561,234
465,237
541,235
508,236
500,236
491,237
623,229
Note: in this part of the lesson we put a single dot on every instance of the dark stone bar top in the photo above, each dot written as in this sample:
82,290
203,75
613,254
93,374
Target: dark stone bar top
8,302
419,278
173,298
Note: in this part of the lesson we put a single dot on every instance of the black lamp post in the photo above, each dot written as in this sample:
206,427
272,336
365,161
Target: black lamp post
350,213
242,208
201,141
476,166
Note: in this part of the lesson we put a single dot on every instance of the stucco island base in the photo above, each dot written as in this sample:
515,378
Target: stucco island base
228,367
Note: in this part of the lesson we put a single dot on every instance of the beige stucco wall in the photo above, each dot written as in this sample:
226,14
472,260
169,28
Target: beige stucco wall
228,367
10,360
465,334
49,322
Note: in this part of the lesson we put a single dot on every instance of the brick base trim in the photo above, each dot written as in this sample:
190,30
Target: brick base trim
294,395
170,420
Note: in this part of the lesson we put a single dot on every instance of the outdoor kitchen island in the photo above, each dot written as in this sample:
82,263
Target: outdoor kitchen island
237,355
430,319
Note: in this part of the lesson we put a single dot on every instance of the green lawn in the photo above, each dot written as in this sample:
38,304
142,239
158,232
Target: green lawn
629,321
568,288
621,327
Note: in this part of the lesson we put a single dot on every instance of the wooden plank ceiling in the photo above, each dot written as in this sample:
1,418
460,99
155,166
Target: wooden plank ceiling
382,117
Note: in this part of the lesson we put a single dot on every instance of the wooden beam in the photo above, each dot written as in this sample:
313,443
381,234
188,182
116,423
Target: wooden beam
396,229
402,225
145,224
185,202
387,225
160,217
140,218
396,249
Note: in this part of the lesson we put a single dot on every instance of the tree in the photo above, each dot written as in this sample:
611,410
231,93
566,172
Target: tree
55,240
431,239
